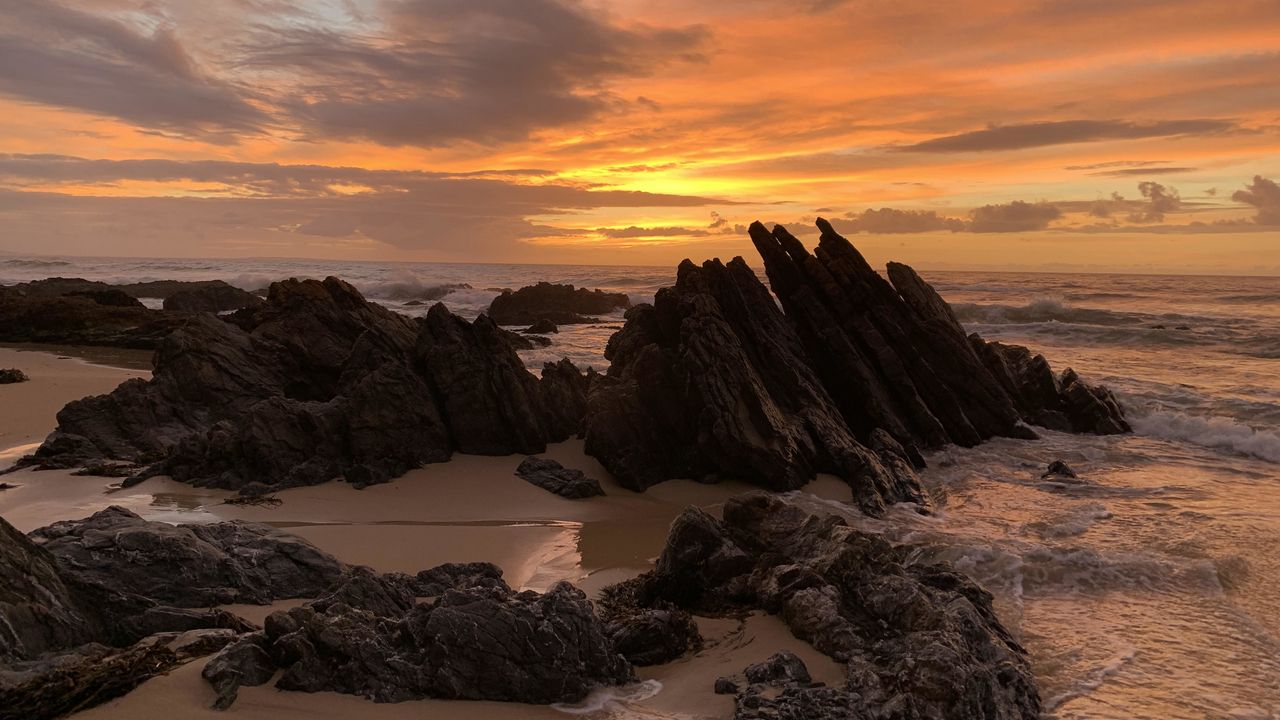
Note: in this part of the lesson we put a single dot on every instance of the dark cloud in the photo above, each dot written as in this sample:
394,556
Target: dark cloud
448,70
1127,172
650,232
1263,194
890,221
1017,216
1159,200
59,56
1017,137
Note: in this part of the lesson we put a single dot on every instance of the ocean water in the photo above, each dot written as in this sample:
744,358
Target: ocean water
1150,587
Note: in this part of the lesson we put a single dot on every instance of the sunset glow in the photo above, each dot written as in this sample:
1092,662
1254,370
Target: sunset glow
1134,136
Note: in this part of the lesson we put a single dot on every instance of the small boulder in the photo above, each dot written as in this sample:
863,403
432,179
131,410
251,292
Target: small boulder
551,475
215,296
1058,468
542,327
10,376
653,637
781,668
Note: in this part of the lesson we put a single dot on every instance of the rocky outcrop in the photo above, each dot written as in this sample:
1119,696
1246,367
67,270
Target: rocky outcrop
475,641
559,304
135,578
852,375
214,296
38,612
920,640
712,379
9,376
81,320
316,384
554,477
111,297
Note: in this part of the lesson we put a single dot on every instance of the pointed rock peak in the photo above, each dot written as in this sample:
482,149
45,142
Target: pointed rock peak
825,227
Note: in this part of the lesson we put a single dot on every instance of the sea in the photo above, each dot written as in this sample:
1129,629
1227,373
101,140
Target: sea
1147,588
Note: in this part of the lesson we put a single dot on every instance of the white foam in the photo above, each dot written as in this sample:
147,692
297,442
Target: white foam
611,698
1214,432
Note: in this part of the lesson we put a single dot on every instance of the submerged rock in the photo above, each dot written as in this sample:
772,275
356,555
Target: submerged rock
314,385
554,477
559,304
919,640
1058,468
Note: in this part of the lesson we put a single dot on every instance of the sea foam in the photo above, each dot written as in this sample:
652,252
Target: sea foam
1215,432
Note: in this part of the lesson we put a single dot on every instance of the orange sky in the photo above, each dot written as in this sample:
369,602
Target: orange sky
1057,134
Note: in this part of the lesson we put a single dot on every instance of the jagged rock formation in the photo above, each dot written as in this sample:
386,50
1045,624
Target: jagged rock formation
558,304
554,477
714,378
316,384
484,642
920,641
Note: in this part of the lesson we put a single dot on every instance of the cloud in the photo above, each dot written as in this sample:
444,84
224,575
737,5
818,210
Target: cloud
648,232
1263,194
441,71
1017,216
890,220
59,56
447,216
1040,134
1160,200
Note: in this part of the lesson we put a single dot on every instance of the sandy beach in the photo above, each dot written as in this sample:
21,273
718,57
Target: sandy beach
469,509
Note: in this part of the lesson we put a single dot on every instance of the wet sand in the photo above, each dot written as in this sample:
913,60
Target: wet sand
471,508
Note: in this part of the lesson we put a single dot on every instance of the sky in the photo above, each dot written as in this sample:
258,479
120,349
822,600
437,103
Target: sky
1125,135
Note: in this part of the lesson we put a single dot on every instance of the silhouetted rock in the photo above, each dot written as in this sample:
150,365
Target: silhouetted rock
919,638
9,376
564,394
542,327
216,296
316,384
712,379
1058,402
38,612
560,304
654,636
521,341
79,320
554,477
1058,468
481,642
111,297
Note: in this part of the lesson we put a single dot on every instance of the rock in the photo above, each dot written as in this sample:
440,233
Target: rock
243,662
483,642
554,477
780,668
111,297
726,686
713,379
135,578
1063,402
851,376
79,320
9,376
542,327
1058,468
914,636
215,296
564,394
520,341
560,304
38,612
56,686
654,636
315,384
414,303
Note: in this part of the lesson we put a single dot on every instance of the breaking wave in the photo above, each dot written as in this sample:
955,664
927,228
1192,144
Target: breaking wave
1215,432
